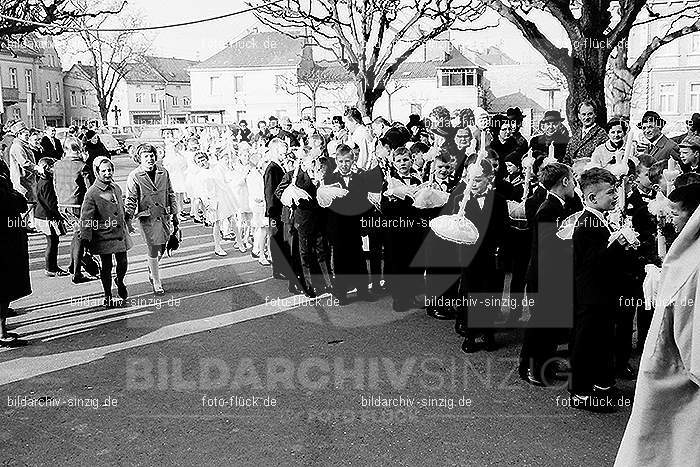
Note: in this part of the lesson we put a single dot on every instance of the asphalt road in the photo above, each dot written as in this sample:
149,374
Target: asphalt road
228,369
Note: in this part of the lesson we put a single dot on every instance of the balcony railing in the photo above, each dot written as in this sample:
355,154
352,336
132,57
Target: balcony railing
10,95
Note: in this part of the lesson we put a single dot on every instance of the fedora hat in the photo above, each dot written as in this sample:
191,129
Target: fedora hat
552,116
514,113
651,116
447,132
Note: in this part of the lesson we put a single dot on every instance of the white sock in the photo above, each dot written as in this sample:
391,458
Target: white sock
155,272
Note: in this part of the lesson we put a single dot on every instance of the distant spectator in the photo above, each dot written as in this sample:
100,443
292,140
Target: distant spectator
51,145
244,132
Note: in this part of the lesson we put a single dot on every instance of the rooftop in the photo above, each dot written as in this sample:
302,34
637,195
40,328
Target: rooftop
257,49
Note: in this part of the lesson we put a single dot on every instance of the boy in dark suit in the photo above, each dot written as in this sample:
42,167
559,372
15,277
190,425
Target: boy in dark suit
309,222
596,295
440,256
542,336
272,177
344,228
482,272
403,236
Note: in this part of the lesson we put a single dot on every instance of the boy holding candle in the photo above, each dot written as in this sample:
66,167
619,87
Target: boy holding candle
596,295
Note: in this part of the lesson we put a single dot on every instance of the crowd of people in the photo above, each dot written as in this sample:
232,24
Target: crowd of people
433,212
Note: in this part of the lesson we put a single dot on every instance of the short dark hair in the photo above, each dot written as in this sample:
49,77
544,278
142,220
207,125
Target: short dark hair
594,176
616,121
588,103
354,114
273,118
263,122
419,148
243,122
343,149
656,171
688,199
401,151
444,156
338,119
550,174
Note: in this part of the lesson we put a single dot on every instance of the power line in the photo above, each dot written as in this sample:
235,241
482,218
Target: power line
145,28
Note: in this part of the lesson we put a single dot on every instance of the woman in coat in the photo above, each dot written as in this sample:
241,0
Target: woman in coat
151,200
14,260
664,425
103,228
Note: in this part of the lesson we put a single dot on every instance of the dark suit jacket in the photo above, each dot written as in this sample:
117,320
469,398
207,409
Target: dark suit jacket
307,215
344,213
54,150
272,177
664,149
597,268
491,222
583,146
545,226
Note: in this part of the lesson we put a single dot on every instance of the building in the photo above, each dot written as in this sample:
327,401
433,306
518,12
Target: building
30,76
247,80
670,81
532,110
153,90
257,76
80,97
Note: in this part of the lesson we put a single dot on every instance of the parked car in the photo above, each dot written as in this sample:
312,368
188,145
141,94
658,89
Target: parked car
112,145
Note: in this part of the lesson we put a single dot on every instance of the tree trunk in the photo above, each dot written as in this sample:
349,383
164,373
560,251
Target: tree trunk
367,96
389,102
104,112
586,81
619,84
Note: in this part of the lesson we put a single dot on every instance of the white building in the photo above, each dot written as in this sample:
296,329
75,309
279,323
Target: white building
255,78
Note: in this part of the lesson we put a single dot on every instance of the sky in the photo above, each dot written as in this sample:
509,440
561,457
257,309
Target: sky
197,42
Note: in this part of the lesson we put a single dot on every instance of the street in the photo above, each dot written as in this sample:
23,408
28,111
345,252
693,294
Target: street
228,369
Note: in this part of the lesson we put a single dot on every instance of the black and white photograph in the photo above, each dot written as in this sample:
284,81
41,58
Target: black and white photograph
344,232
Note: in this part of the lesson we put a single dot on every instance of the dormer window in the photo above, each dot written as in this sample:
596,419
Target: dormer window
460,77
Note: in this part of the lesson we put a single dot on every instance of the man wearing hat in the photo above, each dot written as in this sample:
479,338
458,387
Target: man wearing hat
590,136
515,118
553,133
693,128
657,145
690,154
22,164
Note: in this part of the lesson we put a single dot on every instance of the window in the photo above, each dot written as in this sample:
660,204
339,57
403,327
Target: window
279,83
186,101
213,85
237,83
57,92
175,101
458,77
153,98
139,97
240,115
48,92
694,94
695,43
28,79
73,99
83,99
13,78
668,98
16,114
416,109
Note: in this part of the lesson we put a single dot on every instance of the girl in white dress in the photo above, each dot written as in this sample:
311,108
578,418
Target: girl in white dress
259,223
176,164
239,169
211,187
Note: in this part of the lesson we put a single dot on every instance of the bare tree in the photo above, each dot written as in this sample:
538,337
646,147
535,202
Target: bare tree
111,54
594,29
45,17
623,72
370,38
310,80
392,88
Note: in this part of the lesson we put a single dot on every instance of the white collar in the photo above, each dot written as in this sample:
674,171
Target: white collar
599,215
561,200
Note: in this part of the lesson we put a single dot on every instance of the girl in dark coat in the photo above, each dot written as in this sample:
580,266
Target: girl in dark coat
14,259
47,217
